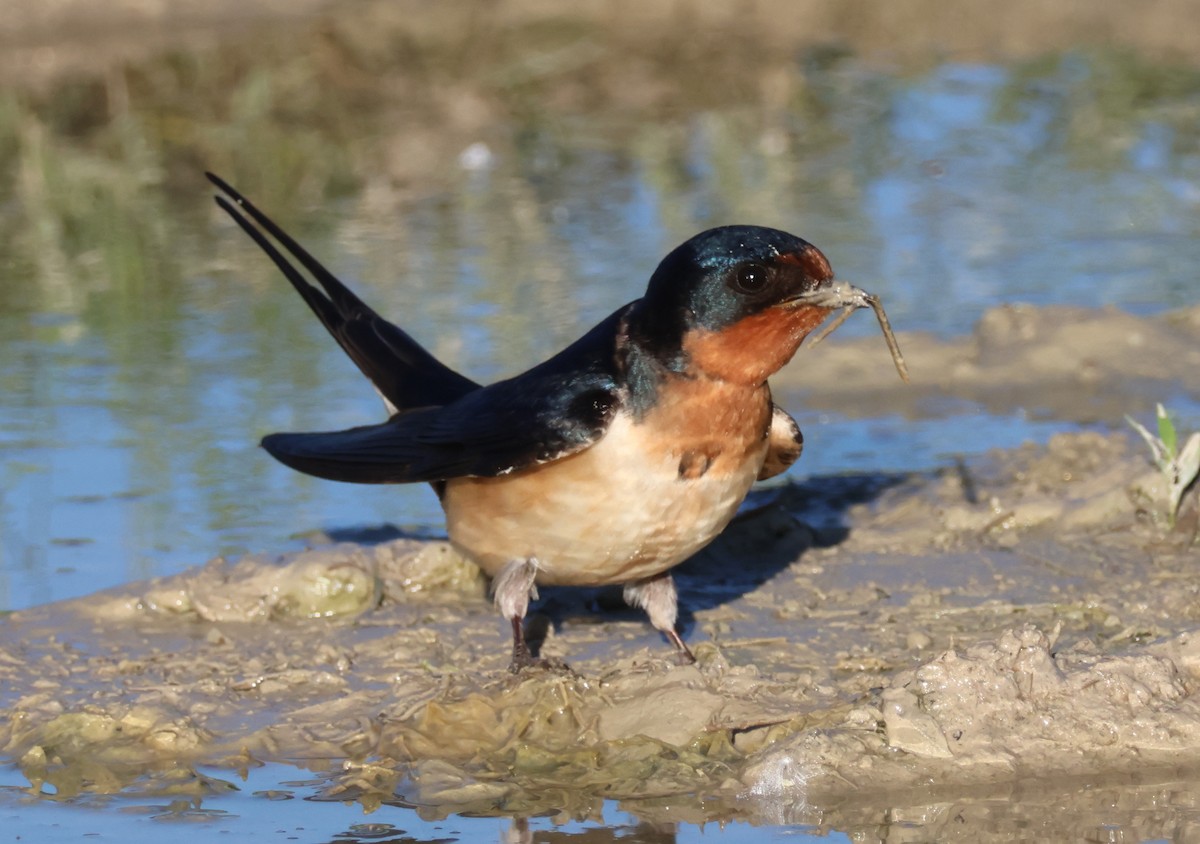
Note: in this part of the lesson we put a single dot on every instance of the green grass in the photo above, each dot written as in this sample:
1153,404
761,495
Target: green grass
1179,466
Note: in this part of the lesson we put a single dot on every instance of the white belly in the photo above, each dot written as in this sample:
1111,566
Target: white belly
618,512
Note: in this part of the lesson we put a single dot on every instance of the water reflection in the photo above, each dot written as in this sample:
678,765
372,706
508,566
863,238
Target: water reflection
1154,806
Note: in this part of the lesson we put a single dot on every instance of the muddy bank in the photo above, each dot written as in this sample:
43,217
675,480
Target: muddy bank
868,646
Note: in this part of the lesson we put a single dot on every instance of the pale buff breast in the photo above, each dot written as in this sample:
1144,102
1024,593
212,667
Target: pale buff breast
645,497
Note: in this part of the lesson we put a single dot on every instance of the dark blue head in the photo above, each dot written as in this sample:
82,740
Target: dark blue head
720,277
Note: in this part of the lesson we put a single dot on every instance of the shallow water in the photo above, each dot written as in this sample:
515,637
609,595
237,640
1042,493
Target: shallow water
262,807
145,346
281,803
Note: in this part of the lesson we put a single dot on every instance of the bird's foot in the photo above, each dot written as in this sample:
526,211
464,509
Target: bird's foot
657,596
523,658
684,658
683,654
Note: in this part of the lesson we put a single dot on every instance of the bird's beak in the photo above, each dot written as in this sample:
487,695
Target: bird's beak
834,295
840,294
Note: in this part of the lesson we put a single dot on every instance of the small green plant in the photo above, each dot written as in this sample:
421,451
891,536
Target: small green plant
1179,466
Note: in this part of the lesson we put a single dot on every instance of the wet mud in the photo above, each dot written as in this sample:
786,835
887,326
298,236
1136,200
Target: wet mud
906,646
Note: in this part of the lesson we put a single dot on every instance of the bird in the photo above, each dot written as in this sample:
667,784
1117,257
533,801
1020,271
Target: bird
610,462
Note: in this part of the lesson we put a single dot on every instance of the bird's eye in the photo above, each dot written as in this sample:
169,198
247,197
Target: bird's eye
751,278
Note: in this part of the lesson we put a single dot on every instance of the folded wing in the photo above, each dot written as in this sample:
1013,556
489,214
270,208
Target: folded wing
503,428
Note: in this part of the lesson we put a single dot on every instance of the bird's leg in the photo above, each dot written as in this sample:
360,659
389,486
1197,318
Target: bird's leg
511,590
656,595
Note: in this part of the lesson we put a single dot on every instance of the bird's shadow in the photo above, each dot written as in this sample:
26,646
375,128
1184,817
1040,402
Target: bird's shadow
379,534
773,530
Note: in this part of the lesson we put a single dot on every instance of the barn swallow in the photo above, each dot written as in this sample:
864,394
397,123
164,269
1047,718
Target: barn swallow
609,463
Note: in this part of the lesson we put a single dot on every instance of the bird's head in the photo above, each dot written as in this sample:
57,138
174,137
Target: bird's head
736,302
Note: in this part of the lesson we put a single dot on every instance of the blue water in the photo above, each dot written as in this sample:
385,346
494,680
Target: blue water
273,803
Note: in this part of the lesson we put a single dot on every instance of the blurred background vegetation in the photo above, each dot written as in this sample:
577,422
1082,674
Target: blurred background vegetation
101,156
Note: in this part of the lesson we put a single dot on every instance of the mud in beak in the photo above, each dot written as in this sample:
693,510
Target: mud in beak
839,294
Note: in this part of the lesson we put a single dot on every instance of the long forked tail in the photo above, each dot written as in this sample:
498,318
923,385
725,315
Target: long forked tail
406,375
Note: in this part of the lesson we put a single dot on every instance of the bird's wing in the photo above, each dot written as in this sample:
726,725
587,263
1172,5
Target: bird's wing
503,428
556,409
784,444
406,375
